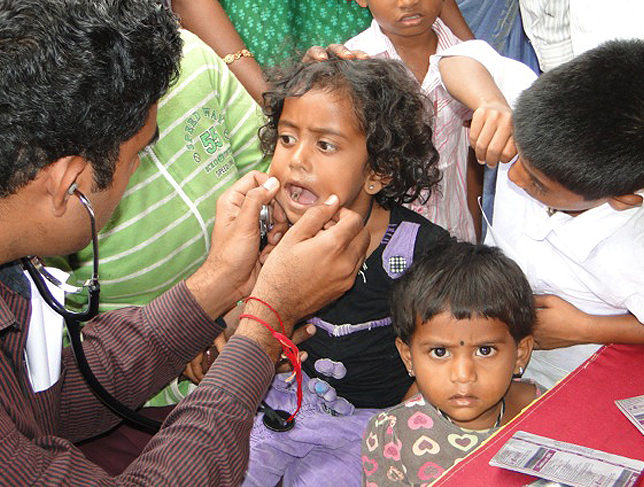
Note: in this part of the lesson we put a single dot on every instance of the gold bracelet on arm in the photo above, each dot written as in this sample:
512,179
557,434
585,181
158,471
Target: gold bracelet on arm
232,57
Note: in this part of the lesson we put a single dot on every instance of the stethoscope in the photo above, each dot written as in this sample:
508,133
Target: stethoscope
73,320
275,420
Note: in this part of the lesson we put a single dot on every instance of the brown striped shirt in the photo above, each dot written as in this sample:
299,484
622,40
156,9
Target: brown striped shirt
133,352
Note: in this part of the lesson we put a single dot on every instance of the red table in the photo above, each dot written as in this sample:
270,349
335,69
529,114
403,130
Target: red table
580,409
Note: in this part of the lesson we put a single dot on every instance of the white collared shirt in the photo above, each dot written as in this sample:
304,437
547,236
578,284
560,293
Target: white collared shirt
594,261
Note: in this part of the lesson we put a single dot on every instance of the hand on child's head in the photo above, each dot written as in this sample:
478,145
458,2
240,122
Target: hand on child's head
491,134
319,53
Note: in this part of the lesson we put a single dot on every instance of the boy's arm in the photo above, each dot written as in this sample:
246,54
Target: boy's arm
488,83
451,15
470,82
560,324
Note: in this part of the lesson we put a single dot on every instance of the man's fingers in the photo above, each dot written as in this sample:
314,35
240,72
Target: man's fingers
302,333
315,53
313,220
318,53
249,181
248,216
350,227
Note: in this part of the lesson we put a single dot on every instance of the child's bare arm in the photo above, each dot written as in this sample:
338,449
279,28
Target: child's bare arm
560,324
451,15
471,83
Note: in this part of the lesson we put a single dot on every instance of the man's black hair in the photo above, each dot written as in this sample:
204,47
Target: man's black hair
582,124
465,280
78,78
392,112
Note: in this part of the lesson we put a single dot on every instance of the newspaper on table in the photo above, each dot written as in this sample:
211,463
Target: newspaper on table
545,483
633,409
567,463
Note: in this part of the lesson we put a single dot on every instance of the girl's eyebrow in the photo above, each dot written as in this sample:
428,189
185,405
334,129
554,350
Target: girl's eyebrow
317,130
445,344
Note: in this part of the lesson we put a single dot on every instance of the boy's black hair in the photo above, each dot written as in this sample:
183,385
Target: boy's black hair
78,78
582,124
390,108
465,280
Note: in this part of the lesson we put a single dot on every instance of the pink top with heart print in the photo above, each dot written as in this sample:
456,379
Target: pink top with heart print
413,444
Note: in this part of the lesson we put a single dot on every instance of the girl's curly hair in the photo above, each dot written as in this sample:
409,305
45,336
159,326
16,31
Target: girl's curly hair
393,113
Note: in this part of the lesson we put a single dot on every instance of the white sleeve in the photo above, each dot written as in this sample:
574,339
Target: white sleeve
511,76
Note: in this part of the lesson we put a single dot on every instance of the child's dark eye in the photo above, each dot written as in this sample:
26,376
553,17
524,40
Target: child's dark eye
326,146
485,351
286,139
438,352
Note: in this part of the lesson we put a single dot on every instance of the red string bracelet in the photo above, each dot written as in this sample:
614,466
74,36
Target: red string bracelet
279,320
290,350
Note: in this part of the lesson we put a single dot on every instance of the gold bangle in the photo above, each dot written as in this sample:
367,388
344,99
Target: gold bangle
232,57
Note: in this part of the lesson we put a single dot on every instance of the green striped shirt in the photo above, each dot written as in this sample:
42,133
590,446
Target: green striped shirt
160,232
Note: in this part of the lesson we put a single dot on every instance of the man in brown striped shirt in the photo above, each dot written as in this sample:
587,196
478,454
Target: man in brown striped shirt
77,103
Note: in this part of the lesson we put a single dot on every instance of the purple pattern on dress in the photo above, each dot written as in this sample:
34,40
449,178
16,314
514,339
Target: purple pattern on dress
347,329
401,244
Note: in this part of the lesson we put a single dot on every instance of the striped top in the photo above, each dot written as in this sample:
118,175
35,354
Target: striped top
563,29
160,232
547,24
133,352
447,206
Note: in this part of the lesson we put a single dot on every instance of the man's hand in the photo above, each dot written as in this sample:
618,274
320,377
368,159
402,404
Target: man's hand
314,263
319,53
491,133
232,265
559,324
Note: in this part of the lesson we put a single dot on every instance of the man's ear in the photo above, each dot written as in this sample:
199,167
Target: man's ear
625,201
405,353
59,177
524,350
375,182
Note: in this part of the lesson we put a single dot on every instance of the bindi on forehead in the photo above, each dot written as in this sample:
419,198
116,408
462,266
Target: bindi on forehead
462,343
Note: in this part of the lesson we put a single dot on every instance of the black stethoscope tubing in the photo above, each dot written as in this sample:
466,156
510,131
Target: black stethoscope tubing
73,322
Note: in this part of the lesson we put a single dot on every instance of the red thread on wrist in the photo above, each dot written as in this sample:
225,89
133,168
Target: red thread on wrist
279,320
290,350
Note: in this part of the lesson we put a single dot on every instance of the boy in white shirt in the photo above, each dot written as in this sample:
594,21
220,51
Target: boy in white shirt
569,209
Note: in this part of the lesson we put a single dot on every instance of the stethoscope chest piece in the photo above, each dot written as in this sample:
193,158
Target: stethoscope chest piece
278,421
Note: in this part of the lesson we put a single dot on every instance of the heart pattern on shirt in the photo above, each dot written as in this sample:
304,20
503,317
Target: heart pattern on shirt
417,400
369,466
463,442
419,420
392,450
429,471
425,445
371,441
394,474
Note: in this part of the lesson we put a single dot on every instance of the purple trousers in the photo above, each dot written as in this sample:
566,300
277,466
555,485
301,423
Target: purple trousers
322,449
